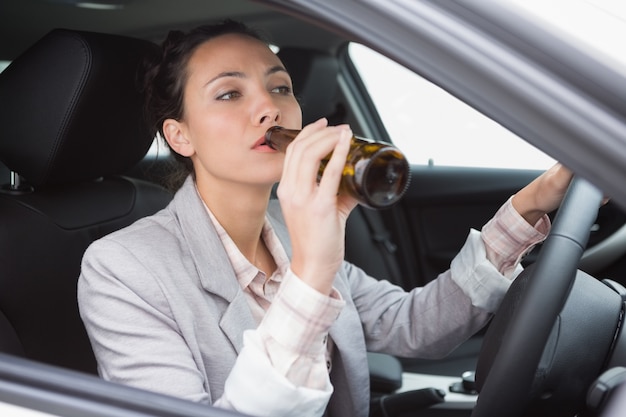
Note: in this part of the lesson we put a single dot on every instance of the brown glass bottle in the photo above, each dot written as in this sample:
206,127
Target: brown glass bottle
376,173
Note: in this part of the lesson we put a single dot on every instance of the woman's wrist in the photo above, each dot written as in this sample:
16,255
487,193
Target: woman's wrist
522,203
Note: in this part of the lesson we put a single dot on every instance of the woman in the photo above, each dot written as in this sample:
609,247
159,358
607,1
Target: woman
228,299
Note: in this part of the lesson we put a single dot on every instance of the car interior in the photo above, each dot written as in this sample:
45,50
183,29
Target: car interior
71,192
76,163
77,192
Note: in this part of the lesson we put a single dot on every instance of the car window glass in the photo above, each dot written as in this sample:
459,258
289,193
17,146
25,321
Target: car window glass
432,127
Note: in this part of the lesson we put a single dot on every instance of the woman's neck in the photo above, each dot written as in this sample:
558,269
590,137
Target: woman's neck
241,212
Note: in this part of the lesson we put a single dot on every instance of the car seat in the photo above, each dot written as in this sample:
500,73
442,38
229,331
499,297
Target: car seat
71,111
314,76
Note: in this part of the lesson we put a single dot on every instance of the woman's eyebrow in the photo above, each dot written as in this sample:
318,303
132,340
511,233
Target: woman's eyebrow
239,74
275,69
225,74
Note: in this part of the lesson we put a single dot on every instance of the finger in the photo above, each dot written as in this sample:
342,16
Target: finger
345,204
307,152
317,125
299,182
293,157
334,168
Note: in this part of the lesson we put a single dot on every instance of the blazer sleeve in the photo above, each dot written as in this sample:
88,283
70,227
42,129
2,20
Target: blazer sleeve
430,321
135,339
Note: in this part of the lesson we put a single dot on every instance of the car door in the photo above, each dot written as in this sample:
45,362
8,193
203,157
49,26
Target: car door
34,389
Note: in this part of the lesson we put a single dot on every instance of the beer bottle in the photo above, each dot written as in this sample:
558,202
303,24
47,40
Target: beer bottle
376,173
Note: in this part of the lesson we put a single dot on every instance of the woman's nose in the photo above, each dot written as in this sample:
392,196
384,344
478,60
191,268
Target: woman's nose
267,112
272,118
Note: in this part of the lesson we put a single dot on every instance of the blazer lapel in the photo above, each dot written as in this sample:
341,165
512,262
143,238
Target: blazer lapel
212,263
350,373
275,216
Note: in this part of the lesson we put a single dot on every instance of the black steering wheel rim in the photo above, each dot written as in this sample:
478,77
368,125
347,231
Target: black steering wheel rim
505,388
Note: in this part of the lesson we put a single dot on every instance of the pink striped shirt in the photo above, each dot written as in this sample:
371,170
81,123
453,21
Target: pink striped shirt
508,238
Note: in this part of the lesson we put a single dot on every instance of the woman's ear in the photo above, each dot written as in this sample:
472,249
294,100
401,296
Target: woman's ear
177,139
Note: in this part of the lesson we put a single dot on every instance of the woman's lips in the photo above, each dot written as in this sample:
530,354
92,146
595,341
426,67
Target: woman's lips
260,145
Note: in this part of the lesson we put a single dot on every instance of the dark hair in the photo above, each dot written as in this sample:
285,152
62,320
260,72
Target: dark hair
166,76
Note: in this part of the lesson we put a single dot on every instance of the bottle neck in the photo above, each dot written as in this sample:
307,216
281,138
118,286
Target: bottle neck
277,137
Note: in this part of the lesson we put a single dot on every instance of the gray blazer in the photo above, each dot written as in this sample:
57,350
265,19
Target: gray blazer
165,312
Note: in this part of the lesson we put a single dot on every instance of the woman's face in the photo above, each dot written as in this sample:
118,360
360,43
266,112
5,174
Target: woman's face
236,89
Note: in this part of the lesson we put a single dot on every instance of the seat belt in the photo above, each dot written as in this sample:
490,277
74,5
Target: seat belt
382,237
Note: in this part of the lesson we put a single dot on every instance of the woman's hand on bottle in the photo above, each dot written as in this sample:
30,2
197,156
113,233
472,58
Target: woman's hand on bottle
543,195
314,213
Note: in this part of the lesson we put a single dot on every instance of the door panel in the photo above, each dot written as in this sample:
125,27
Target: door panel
430,224
428,227
443,204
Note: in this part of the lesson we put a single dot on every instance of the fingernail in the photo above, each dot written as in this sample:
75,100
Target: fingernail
346,134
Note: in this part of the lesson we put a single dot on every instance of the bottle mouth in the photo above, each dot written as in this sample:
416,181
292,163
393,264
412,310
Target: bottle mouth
278,137
385,178
268,136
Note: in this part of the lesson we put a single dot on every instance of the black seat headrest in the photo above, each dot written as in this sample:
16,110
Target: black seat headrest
71,108
314,75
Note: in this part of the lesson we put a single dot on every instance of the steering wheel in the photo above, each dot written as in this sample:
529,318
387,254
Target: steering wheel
512,356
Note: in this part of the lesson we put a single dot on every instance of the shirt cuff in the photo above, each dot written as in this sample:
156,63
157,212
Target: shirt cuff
254,387
300,317
477,276
508,237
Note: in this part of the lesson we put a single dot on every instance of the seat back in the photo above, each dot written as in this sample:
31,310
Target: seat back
314,75
72,116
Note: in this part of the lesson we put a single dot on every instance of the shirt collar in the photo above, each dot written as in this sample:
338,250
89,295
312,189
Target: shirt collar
244,270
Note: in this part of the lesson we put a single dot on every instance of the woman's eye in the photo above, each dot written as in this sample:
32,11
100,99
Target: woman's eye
283,89
229,96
